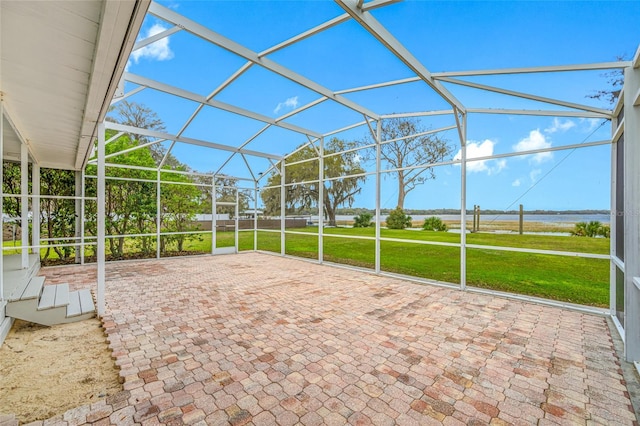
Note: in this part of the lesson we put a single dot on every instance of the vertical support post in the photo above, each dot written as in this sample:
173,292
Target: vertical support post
82,209
521,220
35,208
158,217
631,215
283,207
613,225
1,207
100,193
321,202
214,216
236,222
78,208
378,186
255,216
24,203
462,128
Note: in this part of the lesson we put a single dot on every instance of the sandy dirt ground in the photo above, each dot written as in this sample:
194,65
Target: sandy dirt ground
45,371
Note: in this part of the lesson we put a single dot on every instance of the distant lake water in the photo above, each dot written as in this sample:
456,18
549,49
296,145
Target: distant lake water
486,218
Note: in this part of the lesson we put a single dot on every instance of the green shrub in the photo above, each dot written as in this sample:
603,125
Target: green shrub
591,229
363,220
434,224
397,219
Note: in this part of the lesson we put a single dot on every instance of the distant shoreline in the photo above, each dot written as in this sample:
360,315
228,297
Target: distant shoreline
495,222
439,212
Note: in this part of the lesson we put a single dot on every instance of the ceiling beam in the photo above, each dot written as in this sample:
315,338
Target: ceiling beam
195,113
152,39
315,30
126,95
538,112
379,85
374,4
527,70
368,22
203,32
525,95
152,84
418,114
191,141
247,142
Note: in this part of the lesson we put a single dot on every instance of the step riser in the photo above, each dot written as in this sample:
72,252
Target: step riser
79,307
27,310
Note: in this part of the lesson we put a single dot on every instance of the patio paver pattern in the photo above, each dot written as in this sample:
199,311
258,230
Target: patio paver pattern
264,340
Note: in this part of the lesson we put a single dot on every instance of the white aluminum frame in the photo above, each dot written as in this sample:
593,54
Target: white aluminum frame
359,11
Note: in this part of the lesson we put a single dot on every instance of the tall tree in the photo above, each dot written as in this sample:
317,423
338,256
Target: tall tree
58,216
407,149
300,195
138,115
130,205
180,204
11,185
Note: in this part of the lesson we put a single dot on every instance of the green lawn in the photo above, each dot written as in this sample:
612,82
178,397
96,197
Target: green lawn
564,278
541,242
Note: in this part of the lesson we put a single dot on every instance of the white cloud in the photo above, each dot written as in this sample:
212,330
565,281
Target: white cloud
533,174
560,126
290,103
158,50
499,166
535,140
479,150
591,123
515,182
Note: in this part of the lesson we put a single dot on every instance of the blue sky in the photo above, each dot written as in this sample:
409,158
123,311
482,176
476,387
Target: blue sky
444,36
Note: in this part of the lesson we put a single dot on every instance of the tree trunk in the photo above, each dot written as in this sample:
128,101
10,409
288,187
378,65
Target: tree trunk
401,190
120,246
329,209
180,240
331,215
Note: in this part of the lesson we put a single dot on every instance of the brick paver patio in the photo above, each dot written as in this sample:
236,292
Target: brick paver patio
259,339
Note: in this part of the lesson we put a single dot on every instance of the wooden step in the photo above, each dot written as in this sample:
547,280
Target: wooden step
80,303
86,301
62,295
54,296
48,298
30,289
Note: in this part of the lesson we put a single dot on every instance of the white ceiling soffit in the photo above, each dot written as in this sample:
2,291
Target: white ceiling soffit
61,62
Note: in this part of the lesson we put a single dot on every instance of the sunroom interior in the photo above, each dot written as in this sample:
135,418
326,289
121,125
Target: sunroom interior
56,118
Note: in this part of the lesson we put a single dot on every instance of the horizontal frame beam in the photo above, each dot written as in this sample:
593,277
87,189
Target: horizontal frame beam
526,70
190,141
152,39
543,113
525,95
185,94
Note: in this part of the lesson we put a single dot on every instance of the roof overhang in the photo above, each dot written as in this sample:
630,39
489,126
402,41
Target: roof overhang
61,62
